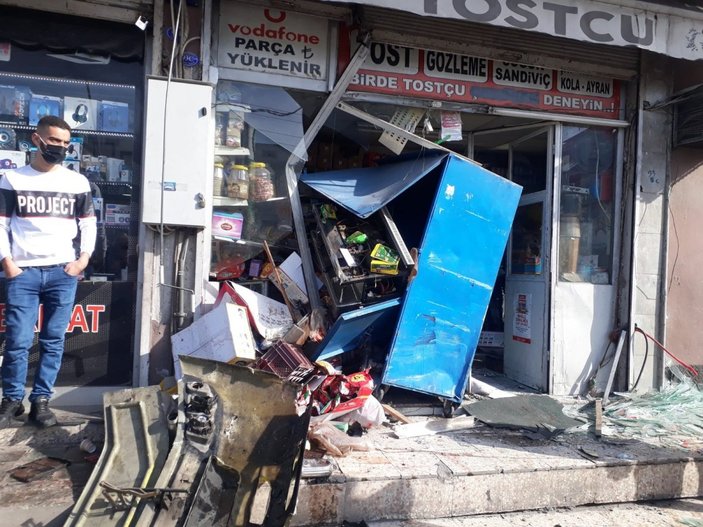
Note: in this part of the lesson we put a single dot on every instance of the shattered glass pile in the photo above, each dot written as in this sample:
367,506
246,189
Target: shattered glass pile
672,415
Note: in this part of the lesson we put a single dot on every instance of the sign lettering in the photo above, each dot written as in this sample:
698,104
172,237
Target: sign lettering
442,76
599,22
86,318
272,42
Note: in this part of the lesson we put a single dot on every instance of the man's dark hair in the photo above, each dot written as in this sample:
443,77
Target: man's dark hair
52,120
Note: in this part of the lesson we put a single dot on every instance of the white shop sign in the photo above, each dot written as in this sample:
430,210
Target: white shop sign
272,43
598,22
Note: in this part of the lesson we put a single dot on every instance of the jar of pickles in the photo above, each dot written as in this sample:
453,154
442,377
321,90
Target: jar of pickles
260,184
237,180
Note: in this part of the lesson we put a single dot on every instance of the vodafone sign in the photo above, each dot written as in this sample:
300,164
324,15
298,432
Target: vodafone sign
273,42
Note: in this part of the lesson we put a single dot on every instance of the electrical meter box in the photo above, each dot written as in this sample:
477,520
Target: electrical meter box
178,153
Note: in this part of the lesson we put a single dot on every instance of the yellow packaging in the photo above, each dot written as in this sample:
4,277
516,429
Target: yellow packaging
381,267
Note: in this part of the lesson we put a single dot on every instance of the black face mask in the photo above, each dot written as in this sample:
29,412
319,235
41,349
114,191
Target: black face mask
52,154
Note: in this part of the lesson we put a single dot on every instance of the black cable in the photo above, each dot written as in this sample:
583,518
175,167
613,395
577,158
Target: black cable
646,354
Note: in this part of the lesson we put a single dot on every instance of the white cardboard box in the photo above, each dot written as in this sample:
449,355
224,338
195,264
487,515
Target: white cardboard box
223,335
10,159
81,113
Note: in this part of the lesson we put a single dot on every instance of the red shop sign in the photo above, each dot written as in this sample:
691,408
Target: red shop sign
443,76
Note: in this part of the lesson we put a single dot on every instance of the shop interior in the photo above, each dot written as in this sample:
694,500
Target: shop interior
252,205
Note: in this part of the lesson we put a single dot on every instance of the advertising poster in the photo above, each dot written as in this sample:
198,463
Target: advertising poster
521,321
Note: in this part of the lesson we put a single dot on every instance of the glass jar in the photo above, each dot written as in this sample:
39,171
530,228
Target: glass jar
218,180
260,184
237,179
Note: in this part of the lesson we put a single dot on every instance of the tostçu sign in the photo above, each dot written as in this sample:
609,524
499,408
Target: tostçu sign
452,77
662,29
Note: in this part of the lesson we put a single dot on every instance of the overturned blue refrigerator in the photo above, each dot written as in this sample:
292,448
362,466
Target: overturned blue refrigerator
458,215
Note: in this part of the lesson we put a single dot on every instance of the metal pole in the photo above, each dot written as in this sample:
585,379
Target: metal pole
299,153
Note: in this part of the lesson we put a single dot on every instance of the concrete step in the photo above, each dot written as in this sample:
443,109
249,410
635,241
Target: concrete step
652,514
486,470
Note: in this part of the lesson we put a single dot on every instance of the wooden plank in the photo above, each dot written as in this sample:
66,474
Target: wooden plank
438,426
395,414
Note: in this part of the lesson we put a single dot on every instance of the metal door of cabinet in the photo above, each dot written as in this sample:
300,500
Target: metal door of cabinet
178,153
445,305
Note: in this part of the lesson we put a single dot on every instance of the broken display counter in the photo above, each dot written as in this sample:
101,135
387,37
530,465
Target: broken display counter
458,215
361,261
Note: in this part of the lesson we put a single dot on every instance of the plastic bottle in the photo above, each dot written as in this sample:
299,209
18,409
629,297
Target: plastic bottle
218,180
238,181
260,184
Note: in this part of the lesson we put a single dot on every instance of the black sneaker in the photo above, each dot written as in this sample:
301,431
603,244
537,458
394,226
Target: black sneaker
39,413
9,409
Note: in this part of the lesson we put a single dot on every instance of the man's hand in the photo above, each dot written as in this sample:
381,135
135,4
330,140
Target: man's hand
77,266
10,268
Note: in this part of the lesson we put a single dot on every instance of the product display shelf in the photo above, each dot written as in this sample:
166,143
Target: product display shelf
58,80
74,131
223,201
230,151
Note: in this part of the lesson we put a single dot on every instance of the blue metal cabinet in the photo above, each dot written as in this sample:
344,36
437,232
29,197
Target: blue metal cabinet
444,306
459,215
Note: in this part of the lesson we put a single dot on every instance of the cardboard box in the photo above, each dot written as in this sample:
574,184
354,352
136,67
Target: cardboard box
117,214
227,224
10,159
80,112
14,104
223,335
41,105
114,116
113,167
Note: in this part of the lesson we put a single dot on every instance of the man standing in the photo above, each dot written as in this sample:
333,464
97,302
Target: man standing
42,205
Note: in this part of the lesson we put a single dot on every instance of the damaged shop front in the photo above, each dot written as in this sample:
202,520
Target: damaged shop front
363,194
333,237
376,214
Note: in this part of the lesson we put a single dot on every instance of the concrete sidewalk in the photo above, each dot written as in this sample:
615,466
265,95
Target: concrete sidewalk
486,470
476,471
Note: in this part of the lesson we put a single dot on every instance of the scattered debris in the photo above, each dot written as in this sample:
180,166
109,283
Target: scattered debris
483,388
203,462
395,414
38,468
333,441
673,415
588,454
317,468
434,427
598,423
536,413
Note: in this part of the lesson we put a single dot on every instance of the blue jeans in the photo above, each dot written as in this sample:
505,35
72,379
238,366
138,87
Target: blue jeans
56,290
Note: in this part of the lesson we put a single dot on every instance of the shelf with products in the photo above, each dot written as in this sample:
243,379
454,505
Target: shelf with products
104,148
87,106
256,130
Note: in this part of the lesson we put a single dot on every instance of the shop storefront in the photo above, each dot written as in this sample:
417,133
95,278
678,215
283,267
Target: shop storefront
90,73
558,133
286,96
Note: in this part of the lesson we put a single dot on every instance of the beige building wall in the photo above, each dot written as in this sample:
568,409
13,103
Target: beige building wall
684,310
684,313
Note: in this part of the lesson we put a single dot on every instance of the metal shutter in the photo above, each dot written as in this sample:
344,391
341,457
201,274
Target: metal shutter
512,45
125,11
